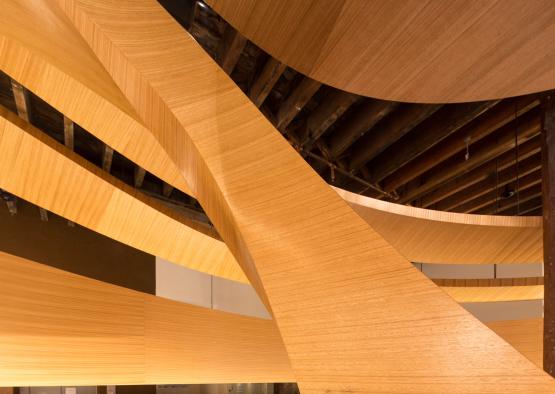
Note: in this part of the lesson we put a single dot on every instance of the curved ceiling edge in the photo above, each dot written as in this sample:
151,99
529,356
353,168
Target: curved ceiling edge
411,52
425,235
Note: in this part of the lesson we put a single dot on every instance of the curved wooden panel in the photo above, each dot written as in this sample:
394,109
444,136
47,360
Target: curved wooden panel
58,328
526,336
495,294
41,50
448,238
416,51
349,308
429,236
37,169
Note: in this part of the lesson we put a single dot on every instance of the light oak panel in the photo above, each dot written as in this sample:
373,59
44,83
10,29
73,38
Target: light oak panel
469,238
495,294
526,336
415,51
37,169
429,236
350,309
58,328
41,50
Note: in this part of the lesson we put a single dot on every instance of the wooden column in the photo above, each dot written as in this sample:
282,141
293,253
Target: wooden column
548,197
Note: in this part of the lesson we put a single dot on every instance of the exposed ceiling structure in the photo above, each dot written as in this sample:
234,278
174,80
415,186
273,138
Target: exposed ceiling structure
179,160
479,157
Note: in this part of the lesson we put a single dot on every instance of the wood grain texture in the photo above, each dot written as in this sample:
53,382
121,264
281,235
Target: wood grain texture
425,235
58,328
495,293
415,51
46,82
524,335
43,52
37,169
351,311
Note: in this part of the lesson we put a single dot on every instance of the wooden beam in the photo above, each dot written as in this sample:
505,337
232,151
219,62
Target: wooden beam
107,157
503,140
295,102
529,189
548,201
139,176
231,49
10,200
489,199
69,142
43,214
167,189
440,125
505,176
480,173
21,97
366,115
456,143
68,133
528,207
407,117
266,80
326,114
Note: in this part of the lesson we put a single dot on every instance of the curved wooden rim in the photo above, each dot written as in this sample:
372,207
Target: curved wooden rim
455,51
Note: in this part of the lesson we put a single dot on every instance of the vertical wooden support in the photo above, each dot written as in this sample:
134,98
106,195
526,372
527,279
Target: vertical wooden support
548,200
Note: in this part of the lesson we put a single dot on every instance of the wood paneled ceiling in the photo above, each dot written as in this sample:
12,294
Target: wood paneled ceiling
418,51
336,283
480,157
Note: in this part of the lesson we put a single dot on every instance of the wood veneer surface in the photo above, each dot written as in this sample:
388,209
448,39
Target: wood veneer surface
429,236
495,294
350,309
449,238
41,50
58,328
416,51
525,335
37,169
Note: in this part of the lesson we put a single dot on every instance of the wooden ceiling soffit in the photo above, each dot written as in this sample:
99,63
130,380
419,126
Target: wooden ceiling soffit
56,65
38,169
46,312
430,236
455,51
306,252
495,294
62,329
